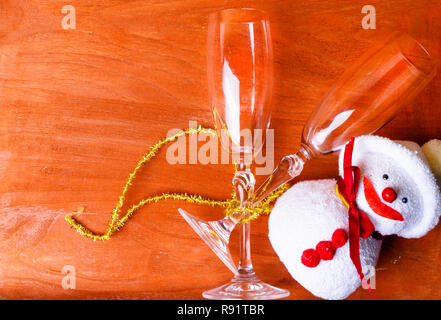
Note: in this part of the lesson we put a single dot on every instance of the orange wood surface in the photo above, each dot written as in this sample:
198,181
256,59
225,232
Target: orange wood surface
78,108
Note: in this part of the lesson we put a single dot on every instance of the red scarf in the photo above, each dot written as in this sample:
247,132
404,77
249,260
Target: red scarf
359,223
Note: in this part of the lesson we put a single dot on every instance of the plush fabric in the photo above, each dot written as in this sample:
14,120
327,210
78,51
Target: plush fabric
408,174
311,212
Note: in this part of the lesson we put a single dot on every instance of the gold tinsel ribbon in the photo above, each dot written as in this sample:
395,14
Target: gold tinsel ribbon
231,206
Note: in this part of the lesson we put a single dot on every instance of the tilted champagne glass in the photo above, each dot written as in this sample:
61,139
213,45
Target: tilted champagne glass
367,96
240,79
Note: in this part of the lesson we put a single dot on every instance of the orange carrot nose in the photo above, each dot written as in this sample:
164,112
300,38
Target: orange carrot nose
389,195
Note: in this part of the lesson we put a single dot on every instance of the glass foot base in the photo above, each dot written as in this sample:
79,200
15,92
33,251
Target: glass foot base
213,237
249,289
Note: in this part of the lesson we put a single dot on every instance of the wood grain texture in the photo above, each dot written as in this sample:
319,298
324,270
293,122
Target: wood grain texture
79,107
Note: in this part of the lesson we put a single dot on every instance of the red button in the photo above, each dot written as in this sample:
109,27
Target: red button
389,195
339,238
310,258
325,250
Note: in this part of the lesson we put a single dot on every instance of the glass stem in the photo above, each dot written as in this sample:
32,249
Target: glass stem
245,268
289,167
244,182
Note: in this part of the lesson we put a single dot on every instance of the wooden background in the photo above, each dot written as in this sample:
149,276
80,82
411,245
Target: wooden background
78,108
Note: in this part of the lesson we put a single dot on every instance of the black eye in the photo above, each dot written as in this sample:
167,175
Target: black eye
404,200
385,177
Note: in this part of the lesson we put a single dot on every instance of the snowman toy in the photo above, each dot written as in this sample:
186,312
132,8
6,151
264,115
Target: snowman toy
327,232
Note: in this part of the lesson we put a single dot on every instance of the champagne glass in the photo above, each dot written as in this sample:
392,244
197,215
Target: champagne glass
240,79
367,97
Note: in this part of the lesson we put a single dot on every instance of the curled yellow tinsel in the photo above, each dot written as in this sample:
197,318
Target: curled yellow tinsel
231,205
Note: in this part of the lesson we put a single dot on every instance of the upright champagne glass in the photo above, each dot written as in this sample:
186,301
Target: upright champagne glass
240,79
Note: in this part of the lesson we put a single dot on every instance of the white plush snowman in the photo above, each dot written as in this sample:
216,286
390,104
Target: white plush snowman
309,228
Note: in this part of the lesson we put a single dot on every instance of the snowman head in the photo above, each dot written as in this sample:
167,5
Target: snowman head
397,189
